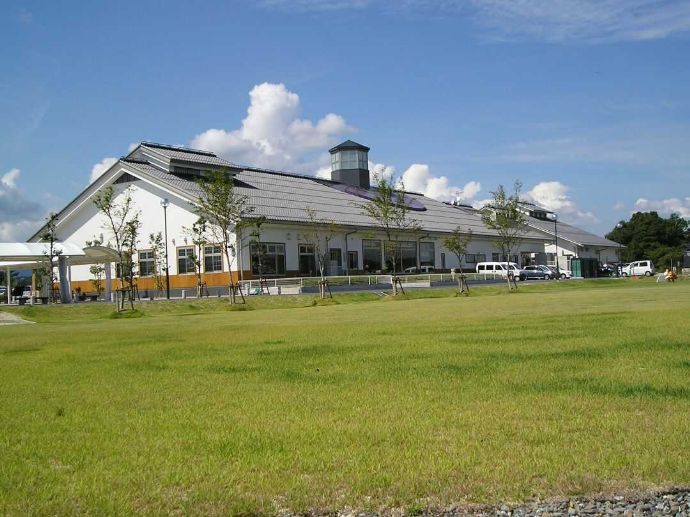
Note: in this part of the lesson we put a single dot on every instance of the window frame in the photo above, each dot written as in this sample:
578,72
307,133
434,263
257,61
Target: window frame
213,256
189,260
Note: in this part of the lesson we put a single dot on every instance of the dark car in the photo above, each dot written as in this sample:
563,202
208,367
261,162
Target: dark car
607,270
532,272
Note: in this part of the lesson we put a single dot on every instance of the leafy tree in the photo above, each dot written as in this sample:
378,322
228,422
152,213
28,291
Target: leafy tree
199,237
225,211
457,243
319,236
391,216
649,236
52,254
255,244
504,216
122,221
97,270
158,248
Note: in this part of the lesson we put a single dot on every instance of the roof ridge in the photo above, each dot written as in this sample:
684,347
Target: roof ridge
182,148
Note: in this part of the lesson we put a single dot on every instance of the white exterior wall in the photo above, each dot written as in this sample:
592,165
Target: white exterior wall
87,223
567,250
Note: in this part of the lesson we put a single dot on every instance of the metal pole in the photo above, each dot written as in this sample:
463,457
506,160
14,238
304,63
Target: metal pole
165,203
555,229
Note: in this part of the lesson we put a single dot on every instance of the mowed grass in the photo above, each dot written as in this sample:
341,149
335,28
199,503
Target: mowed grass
560,389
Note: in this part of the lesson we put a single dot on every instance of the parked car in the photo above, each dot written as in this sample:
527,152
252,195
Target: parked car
608,270
420,269
498,268
532,272
639,268
561,272
3,294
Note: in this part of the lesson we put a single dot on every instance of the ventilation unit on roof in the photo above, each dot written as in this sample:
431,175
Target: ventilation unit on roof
350,164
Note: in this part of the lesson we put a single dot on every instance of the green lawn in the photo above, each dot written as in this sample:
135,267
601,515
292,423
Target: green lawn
560,389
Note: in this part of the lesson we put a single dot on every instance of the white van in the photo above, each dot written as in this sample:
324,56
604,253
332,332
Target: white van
639,268
498,268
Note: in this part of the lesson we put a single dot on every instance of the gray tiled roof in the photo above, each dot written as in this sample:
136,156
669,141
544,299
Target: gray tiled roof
283,197
187,155
570,233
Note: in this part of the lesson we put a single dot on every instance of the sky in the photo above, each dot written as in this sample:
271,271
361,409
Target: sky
585,102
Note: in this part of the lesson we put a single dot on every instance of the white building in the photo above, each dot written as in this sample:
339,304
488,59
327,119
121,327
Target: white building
154,172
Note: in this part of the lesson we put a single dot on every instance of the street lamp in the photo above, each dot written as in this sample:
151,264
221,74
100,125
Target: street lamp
555,230
620,252
164,203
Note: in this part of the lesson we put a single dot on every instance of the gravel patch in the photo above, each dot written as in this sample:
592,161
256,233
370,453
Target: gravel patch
10,319
673,502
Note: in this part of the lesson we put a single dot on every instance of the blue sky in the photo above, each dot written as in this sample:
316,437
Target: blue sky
587,103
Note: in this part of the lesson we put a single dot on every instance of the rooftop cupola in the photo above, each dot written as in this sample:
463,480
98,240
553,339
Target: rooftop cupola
350,164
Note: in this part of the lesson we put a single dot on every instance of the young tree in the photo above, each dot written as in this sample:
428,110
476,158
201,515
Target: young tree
226,211
256,244
391,215
158,248
97,270
319,236
457,243
122,221
52,254
197,234
131,236
504,216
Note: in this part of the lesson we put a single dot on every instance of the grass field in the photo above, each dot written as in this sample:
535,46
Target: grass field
559,389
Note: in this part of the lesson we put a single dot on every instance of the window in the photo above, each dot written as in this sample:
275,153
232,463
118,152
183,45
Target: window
307,260
550,259
495,257
474,258
335,256
268,258
427,256
407,253
350,159
371,254
147,263
185,260
352,260
213,259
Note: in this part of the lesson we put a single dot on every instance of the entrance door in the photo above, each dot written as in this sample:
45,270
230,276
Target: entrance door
307,260
335,264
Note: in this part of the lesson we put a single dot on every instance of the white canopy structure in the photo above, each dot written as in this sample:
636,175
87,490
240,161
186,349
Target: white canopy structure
33,255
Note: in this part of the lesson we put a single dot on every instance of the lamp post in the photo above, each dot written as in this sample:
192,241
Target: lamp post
164,203
555,230
620,252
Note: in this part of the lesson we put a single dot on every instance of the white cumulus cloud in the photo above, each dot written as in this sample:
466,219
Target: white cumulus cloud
9,179
553,195
101,167
19,215
418,178
272,134
665,206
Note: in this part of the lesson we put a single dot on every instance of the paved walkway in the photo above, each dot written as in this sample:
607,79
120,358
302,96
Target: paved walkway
10,319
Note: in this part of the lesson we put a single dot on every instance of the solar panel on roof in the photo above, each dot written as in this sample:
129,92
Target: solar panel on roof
369,195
